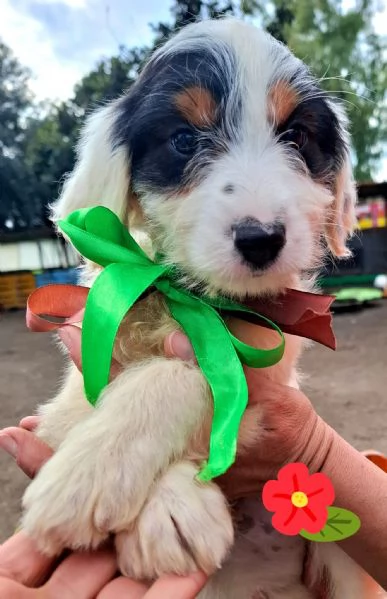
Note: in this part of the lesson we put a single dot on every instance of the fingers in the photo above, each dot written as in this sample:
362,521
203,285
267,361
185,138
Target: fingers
123,588
30,423
177,345
167,587
29,452
177,587
21,561
82,575
9,589
71,337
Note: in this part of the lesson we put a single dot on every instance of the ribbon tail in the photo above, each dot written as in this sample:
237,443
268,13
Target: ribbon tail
223,371
65,302
113,293
255,357
300,313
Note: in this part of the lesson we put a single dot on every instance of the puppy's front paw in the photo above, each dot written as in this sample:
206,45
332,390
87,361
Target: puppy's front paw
184,526
59,508
80,496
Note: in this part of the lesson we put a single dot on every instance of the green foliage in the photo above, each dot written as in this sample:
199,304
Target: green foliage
15,180
110,78
15,98
15,194
49,150
189,11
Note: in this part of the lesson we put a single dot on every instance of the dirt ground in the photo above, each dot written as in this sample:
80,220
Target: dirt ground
348,388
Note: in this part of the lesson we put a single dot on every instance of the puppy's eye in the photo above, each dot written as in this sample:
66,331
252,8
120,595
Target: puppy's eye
297,137
184,142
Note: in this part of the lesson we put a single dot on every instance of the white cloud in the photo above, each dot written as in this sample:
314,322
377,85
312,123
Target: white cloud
26,37
61,40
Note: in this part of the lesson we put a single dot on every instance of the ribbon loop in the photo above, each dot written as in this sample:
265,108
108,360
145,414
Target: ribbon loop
99,236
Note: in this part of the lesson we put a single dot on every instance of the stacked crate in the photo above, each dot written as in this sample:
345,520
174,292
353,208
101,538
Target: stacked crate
15,289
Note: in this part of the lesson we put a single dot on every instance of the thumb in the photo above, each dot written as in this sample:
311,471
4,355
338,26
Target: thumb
178,587
13,590
29,452
177,345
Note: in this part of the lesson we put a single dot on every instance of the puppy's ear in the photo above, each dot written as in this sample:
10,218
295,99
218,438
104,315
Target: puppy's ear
341,217
101,173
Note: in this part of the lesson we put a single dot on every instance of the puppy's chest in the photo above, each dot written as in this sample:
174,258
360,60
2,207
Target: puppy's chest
271,559
254,531
143,331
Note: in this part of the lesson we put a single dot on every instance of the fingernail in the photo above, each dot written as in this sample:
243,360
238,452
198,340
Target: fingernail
181,347
199,576
9,445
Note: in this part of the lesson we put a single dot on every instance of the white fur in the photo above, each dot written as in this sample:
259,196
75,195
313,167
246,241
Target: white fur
129,466
100,175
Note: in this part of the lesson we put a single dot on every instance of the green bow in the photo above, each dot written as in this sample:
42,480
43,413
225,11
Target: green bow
98,235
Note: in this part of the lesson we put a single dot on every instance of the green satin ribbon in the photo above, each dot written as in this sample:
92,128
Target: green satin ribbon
98,235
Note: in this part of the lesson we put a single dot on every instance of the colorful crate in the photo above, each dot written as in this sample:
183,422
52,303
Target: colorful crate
372,214
15,289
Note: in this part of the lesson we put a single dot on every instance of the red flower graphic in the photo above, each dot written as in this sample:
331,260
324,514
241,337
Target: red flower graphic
299,500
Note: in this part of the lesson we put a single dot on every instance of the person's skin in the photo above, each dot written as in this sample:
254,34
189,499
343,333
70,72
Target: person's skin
291,431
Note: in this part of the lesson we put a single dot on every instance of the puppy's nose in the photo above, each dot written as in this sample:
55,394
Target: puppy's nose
258,244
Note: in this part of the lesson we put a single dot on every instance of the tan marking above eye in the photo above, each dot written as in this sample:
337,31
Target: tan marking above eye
282,100
197,105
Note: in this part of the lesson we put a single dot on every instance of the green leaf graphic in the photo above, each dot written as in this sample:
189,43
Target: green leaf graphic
340,525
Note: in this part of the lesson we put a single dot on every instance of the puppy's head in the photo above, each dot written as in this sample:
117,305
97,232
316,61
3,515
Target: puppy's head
230,156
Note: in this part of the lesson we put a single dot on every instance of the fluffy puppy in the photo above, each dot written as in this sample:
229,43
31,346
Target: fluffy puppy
235,164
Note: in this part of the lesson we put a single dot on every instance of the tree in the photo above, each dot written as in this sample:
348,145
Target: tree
15,98
15,180
185,12
110,78
49,152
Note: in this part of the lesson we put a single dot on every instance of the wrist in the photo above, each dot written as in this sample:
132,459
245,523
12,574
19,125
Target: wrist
318,444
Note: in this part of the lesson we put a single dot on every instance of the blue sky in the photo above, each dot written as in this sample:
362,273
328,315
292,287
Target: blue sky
61,40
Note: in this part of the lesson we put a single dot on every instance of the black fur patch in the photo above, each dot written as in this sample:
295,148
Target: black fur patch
324,147
149,117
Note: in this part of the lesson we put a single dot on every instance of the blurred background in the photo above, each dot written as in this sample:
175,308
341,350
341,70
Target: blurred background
61,58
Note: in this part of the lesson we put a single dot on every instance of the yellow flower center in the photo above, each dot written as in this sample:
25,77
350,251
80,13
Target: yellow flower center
299,499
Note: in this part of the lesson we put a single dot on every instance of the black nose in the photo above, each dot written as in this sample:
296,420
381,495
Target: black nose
259,244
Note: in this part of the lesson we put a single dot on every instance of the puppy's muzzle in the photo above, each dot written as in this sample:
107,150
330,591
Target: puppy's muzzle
258,244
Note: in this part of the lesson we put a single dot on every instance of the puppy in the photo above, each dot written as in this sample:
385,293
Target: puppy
235,164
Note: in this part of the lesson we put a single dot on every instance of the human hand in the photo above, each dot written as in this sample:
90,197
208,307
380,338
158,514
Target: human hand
27,574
